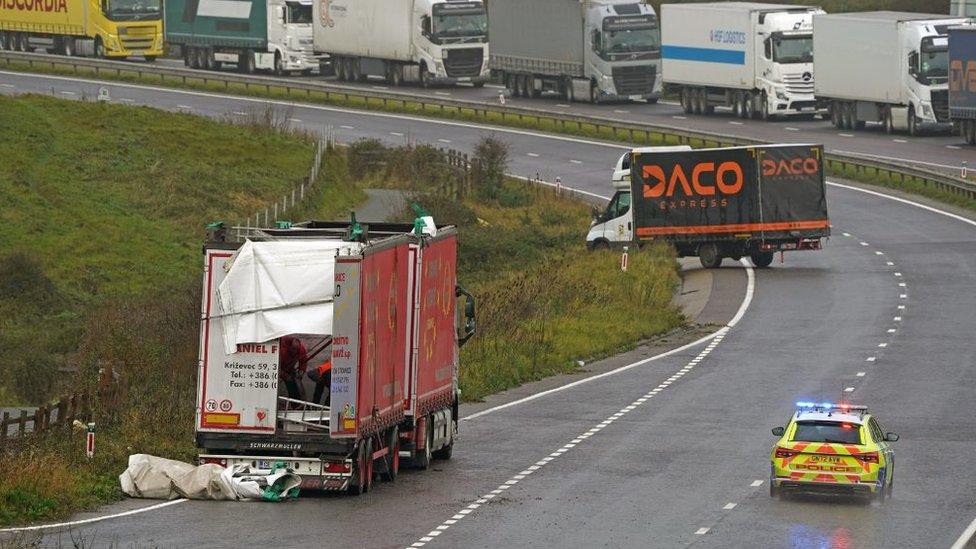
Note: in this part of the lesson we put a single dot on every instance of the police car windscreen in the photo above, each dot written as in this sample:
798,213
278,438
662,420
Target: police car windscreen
827,431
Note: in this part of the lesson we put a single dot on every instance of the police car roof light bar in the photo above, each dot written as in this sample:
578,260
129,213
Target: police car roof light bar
831,406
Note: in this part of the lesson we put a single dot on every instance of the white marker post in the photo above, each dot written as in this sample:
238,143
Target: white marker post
501,97
559,186
623,260
90,441
965,169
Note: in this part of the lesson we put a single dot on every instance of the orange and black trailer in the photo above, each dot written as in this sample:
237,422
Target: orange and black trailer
732,202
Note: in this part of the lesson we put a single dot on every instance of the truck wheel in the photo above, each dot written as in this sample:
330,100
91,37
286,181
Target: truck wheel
530,86
594,94
746,106
696,101
686,103
279,65
764,109
446,452
4,41
99,48
709,256
25,43
762,259
478,84
835,115
423,459
889,123
912,121
396,75
368,477
356,483
425,76
570,94
391,467
68,46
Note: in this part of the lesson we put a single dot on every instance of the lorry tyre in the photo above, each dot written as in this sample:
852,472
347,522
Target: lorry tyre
746,105
4,41
68,46
764,108
422,459
835,117
99,48
686,104
594,94
762,259
847,122
25,40
912,121
425,76
530,86
368,477
279,65
446,452
395,75
391,467
570,94
736,101
478,84
709,256
889,123
356,483
249,63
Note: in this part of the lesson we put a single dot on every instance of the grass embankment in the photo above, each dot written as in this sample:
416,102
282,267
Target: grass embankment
100,231
544,301
540,123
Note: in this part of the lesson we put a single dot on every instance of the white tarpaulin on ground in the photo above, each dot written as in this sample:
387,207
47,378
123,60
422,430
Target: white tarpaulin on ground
278,288
154,477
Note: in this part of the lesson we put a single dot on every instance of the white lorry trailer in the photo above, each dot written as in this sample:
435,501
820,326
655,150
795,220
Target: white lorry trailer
585,50
886,67
755,58
425,41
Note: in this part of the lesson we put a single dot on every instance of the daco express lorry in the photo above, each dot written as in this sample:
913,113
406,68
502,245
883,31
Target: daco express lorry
374,310
716,203
103,28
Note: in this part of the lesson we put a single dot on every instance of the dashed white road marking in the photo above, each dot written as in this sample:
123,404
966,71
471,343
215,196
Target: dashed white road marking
883,345
756,483
878,252
68,93
846,134
533,155
442,93
575,441
871,359
398,134
576,161
444,140
620,111
560,105
953,147
897,319
676,117
379,87
892,330
903,296
847,234
701,531
900,140
864,244
791,129
7,86
295,120
848,389
861,374
890,263
901,307
126,100
729,506
735,122
897,274
184,107
347,127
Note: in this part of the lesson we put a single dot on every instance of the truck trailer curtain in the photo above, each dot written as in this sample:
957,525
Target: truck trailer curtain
278,288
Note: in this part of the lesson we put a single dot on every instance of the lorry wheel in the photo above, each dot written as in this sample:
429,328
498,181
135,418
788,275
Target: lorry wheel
279,65
912,122
99,49
68,46
396,75
594,94
686,103
4,41
356,483
446,452
745,106
422,460
736,101
425,76
889,123
835,115
696,103
570,94
762,259
478,84
764,109
709,256
530,86
392,462
368,477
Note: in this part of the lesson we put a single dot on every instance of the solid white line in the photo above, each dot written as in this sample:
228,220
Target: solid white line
900,140
398,134
905,201
676,117
444,140
442,93
348,127
126,100
561,105
791,129
735,122
743,307
94,519
966,535
295,120
7,86
187,107
846,134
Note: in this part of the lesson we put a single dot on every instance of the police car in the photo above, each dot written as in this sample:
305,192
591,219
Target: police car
833,448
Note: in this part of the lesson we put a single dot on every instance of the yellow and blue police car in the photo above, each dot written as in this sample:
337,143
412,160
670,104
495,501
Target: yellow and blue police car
833,448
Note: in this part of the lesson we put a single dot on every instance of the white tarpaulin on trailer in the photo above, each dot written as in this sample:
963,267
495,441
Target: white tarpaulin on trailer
279,288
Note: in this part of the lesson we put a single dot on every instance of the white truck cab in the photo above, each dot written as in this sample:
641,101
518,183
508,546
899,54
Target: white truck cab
784,68
614,226
289,37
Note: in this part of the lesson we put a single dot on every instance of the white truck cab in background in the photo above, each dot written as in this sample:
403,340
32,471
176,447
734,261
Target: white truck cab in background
425,41
614,226
886,67
755,58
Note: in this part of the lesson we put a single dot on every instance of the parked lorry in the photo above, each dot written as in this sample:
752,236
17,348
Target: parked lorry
962,80
378,303
425,41
717,203
585,50
755,58
273,35
103,28
885,67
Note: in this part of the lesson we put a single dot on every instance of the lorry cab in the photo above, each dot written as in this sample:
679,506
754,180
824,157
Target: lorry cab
453,41
290,36
784,64
623,51
926,74
614,226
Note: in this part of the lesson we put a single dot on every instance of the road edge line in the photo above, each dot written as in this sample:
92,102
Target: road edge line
93,519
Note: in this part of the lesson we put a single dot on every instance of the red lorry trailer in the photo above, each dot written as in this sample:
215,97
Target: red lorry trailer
383,308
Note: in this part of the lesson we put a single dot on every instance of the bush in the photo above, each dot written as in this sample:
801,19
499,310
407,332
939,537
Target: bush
489,166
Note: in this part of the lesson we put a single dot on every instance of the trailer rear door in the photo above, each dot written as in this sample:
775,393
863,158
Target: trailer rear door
794,194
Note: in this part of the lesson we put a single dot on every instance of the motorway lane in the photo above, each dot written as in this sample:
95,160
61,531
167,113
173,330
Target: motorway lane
701,444
934,149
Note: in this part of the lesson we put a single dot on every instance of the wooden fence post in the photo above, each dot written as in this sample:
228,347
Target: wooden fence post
4,426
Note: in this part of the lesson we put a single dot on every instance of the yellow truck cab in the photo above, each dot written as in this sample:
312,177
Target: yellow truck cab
103,28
